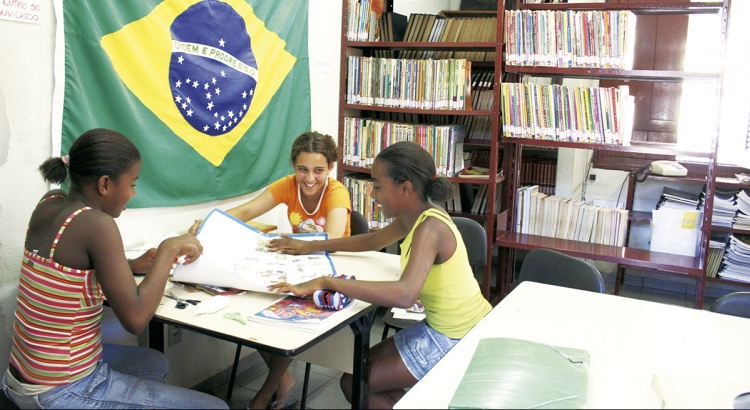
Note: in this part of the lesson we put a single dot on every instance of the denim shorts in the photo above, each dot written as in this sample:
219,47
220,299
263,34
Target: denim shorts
421,347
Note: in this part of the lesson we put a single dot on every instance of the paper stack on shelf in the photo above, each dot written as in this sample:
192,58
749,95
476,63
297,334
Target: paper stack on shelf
725,207
742,218
736,263
677,199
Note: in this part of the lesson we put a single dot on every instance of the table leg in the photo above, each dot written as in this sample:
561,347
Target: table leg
360,374
156,335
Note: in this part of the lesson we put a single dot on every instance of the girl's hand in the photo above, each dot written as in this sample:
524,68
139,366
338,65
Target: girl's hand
285,244
302,289
196,225
142,264
186,245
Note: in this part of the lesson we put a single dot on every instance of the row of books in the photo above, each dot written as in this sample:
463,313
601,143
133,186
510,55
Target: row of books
558,112
364,138
554,216
570,38
539,171
479,127
472,198
362,20
362,202
425,84
475,130
437,28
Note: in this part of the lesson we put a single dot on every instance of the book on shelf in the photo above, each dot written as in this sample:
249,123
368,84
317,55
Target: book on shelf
474,171
235,256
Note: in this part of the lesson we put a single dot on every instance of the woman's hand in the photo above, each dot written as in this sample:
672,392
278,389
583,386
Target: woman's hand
184,245
196,225
286,244
142,264
302,289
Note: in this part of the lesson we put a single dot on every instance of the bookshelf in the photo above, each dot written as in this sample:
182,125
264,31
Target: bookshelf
625,257
480,46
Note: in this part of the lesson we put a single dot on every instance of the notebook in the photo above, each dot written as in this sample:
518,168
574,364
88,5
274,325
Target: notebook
516,373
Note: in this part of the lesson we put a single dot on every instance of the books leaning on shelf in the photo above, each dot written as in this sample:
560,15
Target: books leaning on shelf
553,216
571,38
736,262
600,115
235,256
443,84
364,138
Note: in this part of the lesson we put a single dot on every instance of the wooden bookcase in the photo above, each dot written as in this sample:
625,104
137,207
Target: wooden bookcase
626,257
496,177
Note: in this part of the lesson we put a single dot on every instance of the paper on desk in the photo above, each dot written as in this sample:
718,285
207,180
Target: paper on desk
235,255
152,242
399,313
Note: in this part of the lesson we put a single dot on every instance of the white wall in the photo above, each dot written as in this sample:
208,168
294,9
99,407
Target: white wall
26,83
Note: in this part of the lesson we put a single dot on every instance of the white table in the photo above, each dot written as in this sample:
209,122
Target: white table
703,358
285,341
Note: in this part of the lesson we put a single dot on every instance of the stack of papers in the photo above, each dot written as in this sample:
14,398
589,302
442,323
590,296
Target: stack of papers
677,199
736,262
725,207
742,219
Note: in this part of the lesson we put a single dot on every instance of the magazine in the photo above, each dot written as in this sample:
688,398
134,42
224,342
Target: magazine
235,255
292,311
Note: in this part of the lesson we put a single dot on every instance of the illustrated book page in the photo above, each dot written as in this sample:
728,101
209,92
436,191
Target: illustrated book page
235,255
292,311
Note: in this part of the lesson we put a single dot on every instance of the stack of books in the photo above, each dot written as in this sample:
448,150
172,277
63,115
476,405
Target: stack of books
736,262
725,207
716,248
742,218
676,199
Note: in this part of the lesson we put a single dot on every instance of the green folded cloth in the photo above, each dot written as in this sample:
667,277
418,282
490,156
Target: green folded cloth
516,374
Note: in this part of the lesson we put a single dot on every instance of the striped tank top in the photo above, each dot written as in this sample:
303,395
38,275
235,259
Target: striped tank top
57,335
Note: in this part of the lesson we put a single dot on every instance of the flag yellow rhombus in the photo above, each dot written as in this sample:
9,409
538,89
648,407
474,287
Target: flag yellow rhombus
141,53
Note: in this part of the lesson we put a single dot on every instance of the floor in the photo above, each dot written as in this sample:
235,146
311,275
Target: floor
324,391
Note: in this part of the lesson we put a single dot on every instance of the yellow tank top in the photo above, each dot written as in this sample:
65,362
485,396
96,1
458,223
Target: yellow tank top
451,296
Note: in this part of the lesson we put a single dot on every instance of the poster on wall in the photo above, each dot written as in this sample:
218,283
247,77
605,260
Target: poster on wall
212,92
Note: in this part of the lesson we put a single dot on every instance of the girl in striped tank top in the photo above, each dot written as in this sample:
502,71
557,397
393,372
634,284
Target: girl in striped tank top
73,258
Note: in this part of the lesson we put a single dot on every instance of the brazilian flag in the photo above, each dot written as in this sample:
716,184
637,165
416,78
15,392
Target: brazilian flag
212,92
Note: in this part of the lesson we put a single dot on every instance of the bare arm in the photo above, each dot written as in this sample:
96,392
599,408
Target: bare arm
368,242
247,211
429,246
336,222
134,305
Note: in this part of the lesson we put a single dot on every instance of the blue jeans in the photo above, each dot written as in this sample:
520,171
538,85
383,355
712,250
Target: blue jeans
421,347
126,377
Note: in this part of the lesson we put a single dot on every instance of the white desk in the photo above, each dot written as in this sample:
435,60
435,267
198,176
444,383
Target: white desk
705,356
284,341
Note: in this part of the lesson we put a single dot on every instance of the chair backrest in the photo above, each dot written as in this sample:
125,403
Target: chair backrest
475,239
735,304
358,223
555,268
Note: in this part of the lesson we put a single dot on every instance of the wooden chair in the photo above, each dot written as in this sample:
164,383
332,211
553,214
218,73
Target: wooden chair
475,240
554,268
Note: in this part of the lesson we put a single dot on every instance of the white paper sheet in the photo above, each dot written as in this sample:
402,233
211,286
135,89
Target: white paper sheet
235,256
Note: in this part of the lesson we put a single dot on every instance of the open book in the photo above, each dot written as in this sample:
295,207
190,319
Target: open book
235,255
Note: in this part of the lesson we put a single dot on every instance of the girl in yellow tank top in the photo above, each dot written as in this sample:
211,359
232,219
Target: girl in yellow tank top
435,269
